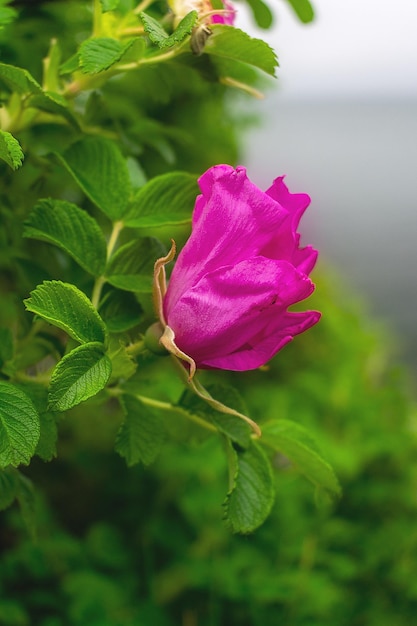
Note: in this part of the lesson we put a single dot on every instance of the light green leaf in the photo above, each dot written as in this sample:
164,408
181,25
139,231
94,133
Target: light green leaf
65,306
19,426
7,15
109,5
261,12
99,54
98,167
303,9
250,500
160,37
231,43
142,433
72,229
166,199
18,79
296,443
10,150
231,425
131,267
81,374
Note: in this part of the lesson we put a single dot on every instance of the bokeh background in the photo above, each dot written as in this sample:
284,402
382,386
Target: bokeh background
342,124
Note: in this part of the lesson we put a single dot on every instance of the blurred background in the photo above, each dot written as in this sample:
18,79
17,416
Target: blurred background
342,124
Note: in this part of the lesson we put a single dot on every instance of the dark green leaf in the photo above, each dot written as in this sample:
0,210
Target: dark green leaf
142,433
296,443
6,345
8,488
26,497
81,374
166,199
231,425
65,306
46,448
250,500
99,168
99,54
261,12
123,365
19,426
18,79
72,229
53,103
303,9
232,43
120,311
10,150
131,267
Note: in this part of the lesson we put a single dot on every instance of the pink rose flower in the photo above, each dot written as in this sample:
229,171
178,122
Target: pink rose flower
227,301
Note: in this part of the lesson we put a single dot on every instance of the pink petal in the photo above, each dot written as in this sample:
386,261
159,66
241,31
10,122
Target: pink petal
230,306
275,336
233,221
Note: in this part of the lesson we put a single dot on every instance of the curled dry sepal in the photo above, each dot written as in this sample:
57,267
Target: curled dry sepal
226,306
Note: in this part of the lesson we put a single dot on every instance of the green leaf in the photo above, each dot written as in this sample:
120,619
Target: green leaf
19,426
250,500
131,267
8,488
166,199
99,54
231,425
296,443
65,306
53,103
123,365
46,448
232,43
303,9
81,374
98,167
262,13
10,150
142,433
121,311
18,79
26,497
72,229
160,37
7,15
109,5
6,345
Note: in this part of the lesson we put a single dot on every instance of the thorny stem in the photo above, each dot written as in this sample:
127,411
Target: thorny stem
101,280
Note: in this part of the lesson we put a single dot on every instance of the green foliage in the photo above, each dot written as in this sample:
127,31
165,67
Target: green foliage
131,266
160,37
98,167
10,150
167,199
19,426
303,9
80,374
70,228
142,433
251,496
66,307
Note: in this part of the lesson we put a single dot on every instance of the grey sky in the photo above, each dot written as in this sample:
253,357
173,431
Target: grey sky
365,48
